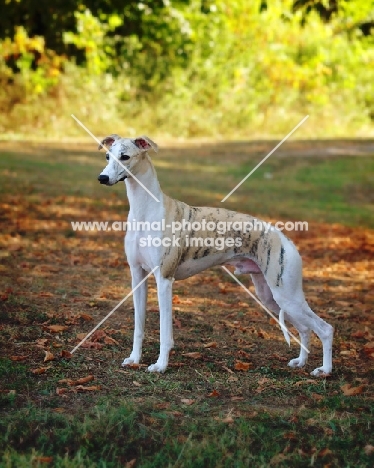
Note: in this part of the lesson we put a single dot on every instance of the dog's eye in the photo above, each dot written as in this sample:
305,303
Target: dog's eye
107,156
124,157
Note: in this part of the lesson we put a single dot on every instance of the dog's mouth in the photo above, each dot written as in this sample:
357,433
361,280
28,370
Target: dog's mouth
122,179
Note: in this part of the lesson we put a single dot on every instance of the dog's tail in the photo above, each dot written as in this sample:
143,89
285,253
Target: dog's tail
283,327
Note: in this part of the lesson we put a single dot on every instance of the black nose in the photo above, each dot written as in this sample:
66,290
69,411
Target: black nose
103,179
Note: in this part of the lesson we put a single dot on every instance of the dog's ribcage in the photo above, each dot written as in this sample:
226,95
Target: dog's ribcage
260,251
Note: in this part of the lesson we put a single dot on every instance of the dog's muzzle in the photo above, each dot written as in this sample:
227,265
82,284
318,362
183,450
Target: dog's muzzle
103,179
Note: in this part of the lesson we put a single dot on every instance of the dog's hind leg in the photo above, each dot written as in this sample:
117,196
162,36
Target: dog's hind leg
304,319
266,297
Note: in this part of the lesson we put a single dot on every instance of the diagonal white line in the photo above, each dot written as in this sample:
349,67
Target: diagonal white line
116,307
265,308
265,158
112,155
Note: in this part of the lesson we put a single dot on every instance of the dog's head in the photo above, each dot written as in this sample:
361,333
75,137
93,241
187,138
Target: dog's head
123,156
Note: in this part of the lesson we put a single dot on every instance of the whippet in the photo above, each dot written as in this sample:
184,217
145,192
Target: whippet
268,255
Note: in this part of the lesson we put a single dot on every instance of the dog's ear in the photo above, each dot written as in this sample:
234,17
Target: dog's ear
144,143
108,140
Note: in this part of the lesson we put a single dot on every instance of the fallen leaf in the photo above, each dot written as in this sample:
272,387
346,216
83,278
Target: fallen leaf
237,398
109,340
212,344
81,336
317,396
18,358
137,384
83,380
214,393
222,288
242,366
195,355
177,323
81,388
351,391
131,463
41,342
86,317
56,328
187,401
302,382
176,300
243,354
277,459
61,391
228,420
58,410
66,354
44,459
369,449
324,452
48,356
41,370
92,344
66,381
263,334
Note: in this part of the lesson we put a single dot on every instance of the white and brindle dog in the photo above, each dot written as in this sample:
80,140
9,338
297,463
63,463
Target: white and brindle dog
270,257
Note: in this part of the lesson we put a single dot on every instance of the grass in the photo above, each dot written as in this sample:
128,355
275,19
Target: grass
201,412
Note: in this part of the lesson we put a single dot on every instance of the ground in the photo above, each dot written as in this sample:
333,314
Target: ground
228,397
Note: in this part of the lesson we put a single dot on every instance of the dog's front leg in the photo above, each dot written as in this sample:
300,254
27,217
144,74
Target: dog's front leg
165,296
140,304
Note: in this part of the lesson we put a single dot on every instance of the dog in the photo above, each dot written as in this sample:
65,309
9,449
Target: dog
164,242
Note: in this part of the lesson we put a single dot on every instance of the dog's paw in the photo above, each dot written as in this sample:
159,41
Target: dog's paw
130,361
157,368
297,362
321,372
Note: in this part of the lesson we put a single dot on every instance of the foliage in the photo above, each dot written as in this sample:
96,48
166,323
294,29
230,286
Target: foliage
249,63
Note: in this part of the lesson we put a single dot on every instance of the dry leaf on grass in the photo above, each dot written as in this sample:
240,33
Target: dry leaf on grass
263,334
18,358
242,366
324,452
41,370
131,463
61,391
369,349
302,382
187,401
348,390
92,345
369,449
41,342
83,380
81,388
86,317
243,354
176,299
48,356
56,328
66,354
212,344
43,459
195,355
109,340
213,394
81,336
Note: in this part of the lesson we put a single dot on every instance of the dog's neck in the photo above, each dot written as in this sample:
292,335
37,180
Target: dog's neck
142,204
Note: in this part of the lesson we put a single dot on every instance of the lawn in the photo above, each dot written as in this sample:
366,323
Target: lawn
56,284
